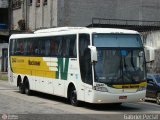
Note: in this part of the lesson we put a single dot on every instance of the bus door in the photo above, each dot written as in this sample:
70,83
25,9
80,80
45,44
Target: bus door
85,66
86,74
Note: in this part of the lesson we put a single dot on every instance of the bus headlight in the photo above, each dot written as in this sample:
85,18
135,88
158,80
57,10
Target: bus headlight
141,88
100,88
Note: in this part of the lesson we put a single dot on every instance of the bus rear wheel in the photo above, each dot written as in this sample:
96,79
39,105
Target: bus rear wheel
21,88
73,97
27,87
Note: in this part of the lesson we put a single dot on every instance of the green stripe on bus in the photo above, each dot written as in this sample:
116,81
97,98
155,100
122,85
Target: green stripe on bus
62,68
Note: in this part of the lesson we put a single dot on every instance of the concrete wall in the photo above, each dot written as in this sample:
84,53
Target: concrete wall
138,9
81,12
17,15
152,39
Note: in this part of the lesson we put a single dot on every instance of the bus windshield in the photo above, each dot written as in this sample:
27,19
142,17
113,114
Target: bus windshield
120,59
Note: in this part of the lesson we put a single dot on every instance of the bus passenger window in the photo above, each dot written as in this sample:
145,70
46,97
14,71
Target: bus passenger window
67,40
69,46
36,51
72,46
25,47
42,46
53,48
21,47
47,47
31,47
61,49
64,46
39,47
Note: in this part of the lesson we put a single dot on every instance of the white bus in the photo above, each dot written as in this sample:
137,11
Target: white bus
94,65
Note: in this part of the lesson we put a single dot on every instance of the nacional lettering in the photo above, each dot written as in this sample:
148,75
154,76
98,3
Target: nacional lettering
15,60
37,63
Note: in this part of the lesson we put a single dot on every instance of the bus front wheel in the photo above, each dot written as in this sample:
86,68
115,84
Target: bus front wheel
73,97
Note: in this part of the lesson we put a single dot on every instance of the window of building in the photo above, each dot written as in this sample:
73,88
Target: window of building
38,3
45,2
30,2
16,4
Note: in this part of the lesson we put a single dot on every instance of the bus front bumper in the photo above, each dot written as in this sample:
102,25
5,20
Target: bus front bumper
105,97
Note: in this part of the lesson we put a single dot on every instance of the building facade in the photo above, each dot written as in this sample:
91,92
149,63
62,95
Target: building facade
4,34
33,14
36,14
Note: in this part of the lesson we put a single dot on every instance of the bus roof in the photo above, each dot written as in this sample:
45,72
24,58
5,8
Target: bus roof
72,30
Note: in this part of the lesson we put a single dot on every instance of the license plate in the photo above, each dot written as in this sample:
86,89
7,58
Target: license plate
122,97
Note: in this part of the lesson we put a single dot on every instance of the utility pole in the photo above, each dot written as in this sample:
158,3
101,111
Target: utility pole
51,13
26,21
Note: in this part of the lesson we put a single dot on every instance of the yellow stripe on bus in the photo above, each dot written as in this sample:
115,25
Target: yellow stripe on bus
130,86
35,66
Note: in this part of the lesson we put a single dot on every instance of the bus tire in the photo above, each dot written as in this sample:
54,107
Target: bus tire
116,104
158,98
73,97
27,87
21,88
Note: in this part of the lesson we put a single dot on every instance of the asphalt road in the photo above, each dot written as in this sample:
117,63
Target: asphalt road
39,106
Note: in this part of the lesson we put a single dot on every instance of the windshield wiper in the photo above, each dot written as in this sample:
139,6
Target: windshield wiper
125,65
121,69
132,63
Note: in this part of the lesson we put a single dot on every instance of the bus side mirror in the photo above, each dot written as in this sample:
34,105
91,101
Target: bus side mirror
93,50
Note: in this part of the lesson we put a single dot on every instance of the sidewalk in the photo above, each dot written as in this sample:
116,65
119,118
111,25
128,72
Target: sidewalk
4,76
